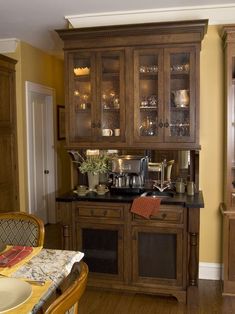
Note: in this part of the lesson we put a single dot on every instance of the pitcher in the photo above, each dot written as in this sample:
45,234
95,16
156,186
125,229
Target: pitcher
181,97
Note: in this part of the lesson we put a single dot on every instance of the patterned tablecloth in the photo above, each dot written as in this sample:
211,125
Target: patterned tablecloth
49,264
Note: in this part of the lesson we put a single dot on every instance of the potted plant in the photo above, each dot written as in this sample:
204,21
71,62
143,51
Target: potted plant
93,166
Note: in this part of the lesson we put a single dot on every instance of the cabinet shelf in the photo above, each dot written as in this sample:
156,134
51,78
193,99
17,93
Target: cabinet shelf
179,73
82,78
111,110
148,76
148,109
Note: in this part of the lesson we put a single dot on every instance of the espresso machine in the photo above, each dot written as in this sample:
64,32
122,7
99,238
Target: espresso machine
128,174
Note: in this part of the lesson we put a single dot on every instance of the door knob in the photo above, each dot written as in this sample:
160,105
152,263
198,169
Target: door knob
46,171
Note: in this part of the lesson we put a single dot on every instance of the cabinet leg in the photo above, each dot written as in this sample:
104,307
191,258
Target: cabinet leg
193,259
65,237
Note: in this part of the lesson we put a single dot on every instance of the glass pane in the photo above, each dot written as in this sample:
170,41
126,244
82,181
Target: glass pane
180,94
148,94
158,251
110,95
82,97
101,250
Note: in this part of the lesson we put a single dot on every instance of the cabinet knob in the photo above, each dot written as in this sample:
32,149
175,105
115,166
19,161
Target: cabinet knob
105,212
166,124
160,124
46,171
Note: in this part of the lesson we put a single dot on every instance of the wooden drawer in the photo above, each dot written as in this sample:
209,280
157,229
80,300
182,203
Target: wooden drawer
99,211
165,215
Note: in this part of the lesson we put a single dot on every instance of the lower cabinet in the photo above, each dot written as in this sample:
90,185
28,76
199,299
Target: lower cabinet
157,256
127,252
102,245
228,251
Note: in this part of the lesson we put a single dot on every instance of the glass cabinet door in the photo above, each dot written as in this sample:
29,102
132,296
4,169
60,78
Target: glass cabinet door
81,96
110,102
180,82
148,86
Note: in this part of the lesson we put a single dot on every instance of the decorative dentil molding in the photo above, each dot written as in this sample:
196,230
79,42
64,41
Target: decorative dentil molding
217,14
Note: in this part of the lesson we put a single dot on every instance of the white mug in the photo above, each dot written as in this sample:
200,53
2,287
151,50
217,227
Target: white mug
117,132
107,132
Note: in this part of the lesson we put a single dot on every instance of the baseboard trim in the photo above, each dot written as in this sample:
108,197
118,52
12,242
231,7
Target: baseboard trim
210,271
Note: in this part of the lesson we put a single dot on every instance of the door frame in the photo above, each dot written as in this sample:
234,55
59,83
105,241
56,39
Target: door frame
50,97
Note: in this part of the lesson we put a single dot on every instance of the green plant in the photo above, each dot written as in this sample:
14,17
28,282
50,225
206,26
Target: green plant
94,164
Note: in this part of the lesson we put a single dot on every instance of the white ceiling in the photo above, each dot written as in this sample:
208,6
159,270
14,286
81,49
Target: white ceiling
35,21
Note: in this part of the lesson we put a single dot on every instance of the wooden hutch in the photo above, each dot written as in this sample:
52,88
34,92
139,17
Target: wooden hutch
139,84
228,207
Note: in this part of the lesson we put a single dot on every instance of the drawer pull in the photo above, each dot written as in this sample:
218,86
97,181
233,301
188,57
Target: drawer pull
92,212
162,216
105,213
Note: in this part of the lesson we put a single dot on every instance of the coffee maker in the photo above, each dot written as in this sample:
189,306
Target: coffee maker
128,174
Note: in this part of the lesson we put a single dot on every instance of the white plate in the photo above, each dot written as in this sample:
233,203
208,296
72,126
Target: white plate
13,292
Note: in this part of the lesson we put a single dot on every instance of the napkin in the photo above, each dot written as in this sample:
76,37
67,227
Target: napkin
14,255
145,206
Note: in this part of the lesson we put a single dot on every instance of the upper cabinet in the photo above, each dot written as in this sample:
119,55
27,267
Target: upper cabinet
164,101
96,94
133,85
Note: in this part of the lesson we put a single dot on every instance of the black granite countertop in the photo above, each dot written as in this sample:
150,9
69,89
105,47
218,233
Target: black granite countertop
195,201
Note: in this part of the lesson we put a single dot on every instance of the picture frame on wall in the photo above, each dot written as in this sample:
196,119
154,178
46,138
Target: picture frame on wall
60,122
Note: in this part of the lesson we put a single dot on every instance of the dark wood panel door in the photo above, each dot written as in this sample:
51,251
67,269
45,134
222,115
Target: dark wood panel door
102,245
158,256
9,199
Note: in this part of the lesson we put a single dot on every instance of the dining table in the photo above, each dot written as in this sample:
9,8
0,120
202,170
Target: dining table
39,274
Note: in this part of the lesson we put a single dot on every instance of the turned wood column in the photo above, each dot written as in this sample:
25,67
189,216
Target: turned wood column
193,238
193,255
66,237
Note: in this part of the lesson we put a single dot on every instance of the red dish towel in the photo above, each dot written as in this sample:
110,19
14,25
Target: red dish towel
14,255
145,206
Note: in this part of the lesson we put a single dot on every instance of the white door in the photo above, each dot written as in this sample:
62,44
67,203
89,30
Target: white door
40,151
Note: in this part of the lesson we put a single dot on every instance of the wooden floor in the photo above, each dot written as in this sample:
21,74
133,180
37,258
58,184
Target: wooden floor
106,302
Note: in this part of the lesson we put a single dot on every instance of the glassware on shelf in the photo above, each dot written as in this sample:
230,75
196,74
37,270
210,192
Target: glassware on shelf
148,127
148,101
148,68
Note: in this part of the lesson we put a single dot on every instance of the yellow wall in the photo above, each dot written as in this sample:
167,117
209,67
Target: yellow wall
38,67
211,139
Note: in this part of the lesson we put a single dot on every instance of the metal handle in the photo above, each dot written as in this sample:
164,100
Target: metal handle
162,216
160,124
166,124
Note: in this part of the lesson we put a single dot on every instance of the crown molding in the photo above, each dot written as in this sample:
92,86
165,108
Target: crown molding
8,45
217,14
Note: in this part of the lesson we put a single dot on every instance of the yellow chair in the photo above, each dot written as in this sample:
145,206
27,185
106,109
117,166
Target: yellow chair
71,291
18,228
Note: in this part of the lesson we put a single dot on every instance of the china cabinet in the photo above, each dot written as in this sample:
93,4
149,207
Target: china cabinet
9,195
133,85
96,101
164,89
228,207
